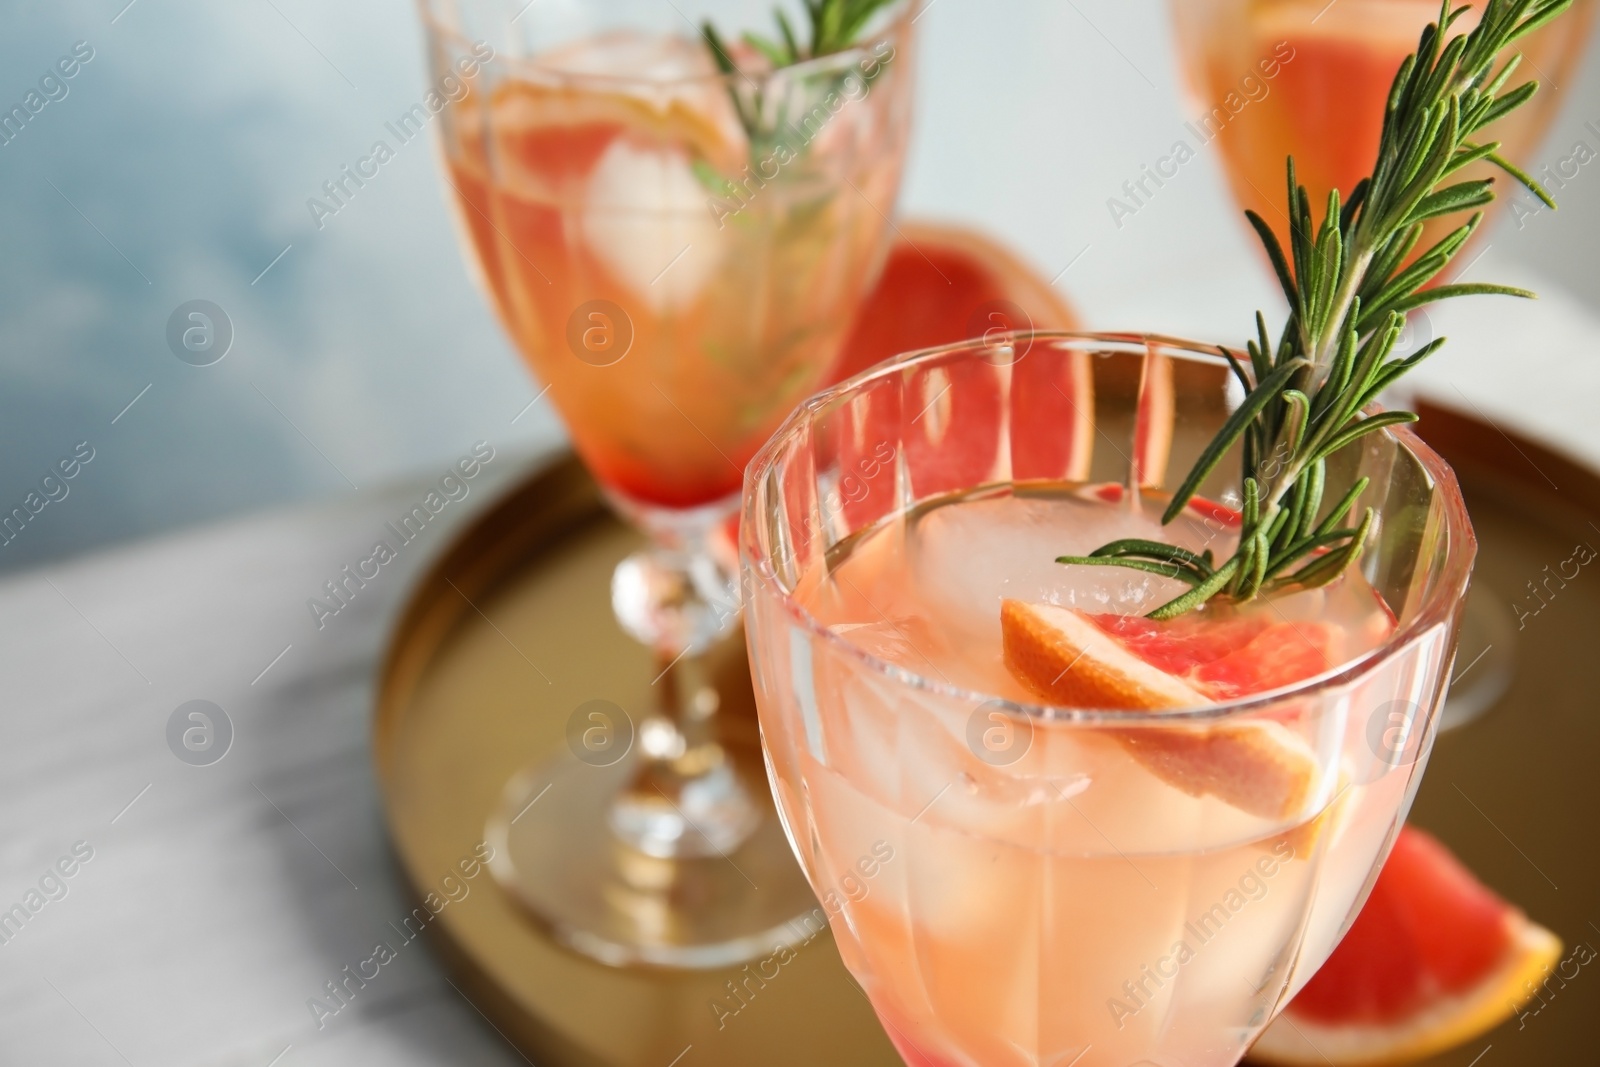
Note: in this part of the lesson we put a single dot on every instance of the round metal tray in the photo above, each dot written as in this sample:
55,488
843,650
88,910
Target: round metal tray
511,631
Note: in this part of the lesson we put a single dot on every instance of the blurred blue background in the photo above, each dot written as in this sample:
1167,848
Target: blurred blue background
179,163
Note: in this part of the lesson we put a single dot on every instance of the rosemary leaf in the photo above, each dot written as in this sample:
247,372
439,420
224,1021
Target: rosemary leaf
1166,570
1349,281
1253,403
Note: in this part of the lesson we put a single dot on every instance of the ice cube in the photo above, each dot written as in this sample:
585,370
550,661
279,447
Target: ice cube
632,54
908,641
970,556
642,209
645,216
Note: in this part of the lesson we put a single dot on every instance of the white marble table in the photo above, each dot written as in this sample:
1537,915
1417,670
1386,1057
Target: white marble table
218,898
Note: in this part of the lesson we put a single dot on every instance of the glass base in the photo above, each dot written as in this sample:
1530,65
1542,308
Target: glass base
557,854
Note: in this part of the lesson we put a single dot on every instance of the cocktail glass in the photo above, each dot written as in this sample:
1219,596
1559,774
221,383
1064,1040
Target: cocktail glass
677,252
1274,78
1008,882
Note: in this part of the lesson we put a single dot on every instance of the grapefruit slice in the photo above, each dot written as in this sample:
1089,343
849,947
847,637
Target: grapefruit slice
1085,661
552,132
943,284
1434,959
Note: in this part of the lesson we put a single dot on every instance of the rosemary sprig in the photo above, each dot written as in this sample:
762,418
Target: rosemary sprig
1349,288
834,26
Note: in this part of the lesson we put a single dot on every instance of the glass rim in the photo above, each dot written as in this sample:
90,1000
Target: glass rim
899,22
1440,601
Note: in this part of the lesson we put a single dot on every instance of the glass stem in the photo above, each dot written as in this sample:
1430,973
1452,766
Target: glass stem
680,596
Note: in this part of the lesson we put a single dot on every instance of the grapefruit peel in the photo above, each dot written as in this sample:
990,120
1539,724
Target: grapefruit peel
1426,910
1258,766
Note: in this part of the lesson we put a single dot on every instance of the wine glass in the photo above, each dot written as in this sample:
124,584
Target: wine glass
1308,78
1020,884
676,238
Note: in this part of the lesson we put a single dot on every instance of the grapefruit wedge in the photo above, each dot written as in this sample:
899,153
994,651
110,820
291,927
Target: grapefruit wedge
552,130
942,284
1435,959
1116,662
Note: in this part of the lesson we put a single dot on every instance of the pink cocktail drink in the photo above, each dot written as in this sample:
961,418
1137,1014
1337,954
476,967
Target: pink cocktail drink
1076,885
678,283
1275,78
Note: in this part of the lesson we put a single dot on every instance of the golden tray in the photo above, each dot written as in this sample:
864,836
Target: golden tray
511,630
